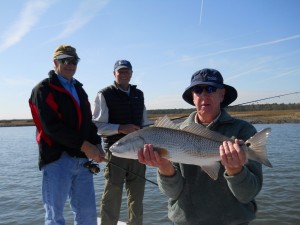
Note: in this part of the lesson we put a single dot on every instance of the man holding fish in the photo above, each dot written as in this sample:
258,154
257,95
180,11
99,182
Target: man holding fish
194,197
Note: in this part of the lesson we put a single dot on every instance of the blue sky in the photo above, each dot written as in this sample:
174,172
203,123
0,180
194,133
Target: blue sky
255,44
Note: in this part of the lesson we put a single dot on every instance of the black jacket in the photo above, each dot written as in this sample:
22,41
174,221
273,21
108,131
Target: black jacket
62,124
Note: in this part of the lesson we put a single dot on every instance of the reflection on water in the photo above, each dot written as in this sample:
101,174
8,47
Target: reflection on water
20,190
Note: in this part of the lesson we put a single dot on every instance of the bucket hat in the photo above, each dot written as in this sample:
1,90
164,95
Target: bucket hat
210,77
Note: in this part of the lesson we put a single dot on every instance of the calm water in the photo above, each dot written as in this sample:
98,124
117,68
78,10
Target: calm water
20,181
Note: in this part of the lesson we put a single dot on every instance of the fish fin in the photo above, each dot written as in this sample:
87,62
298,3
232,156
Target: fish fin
212,170
202,131
165,122
164,153
257,147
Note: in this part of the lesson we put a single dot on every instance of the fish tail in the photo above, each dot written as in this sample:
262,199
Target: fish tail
257,147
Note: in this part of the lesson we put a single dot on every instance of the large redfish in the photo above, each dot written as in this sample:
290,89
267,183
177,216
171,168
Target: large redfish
192,144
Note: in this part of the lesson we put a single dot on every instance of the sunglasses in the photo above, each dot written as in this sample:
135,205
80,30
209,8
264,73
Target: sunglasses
68,61
209,89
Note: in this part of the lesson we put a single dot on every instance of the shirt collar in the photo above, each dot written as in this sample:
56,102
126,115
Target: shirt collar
207,124
119,87
64,80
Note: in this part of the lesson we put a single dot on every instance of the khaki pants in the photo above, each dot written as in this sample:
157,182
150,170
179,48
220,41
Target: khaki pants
112,194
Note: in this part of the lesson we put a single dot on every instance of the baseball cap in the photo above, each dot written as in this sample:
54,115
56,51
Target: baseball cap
122,64
65,51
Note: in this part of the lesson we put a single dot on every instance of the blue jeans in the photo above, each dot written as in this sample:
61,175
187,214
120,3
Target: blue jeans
67,177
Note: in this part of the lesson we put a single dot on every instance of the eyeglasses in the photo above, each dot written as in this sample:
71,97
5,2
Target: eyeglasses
69,61
209,89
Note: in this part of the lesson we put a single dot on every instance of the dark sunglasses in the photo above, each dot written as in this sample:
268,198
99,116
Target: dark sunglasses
68,61
208,89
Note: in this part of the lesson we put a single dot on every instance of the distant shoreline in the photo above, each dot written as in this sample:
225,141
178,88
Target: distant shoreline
254,117
16,123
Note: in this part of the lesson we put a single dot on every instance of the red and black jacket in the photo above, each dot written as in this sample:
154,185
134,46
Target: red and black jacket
62,124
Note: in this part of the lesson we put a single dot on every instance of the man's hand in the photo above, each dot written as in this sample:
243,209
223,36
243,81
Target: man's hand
232,157
150,157
92,151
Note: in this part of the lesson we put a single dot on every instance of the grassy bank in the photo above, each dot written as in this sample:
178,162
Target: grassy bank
16,123
271,116
255,117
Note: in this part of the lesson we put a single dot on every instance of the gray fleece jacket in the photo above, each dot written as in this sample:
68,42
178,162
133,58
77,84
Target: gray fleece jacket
196,199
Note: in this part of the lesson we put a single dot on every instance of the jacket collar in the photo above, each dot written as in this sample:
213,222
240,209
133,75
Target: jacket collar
54,79
223,118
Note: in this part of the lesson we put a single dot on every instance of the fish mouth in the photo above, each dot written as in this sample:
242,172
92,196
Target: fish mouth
112,148
115,148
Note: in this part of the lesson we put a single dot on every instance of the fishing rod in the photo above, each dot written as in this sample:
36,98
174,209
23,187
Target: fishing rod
258,100
144,178
94,168
176,118
277,96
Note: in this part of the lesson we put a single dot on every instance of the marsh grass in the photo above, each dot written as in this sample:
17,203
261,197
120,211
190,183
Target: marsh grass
270,116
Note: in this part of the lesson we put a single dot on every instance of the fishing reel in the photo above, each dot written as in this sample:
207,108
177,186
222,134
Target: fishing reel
92,166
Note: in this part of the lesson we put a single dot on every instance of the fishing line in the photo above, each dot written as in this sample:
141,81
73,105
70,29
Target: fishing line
144,178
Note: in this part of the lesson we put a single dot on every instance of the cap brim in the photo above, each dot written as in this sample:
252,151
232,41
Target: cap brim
64,56
121,67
